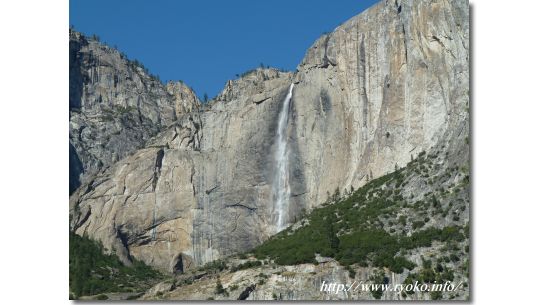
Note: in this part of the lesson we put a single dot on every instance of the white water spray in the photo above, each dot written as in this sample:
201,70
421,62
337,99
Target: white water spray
281,187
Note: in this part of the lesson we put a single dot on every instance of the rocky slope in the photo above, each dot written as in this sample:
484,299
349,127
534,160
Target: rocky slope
115,106
368,97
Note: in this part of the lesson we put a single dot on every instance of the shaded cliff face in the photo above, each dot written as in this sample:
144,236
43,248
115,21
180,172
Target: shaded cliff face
115,106
386,85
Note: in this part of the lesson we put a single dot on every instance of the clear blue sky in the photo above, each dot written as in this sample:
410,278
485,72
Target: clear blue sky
205,43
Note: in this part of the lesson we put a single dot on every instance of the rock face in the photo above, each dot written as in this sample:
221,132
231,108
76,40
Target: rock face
197,191
384,86
114,106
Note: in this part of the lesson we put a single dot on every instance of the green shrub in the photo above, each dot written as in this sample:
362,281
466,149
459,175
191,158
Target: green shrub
418,224
215,266
246,265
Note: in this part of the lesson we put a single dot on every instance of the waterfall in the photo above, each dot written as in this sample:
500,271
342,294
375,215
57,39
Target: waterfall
281,187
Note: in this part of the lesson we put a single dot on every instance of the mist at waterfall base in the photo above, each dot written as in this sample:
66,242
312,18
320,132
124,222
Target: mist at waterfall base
281,185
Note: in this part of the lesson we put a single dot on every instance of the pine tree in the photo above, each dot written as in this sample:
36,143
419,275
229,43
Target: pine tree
334,241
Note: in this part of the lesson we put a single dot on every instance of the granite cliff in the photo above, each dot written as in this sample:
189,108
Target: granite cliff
115,106
178,185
